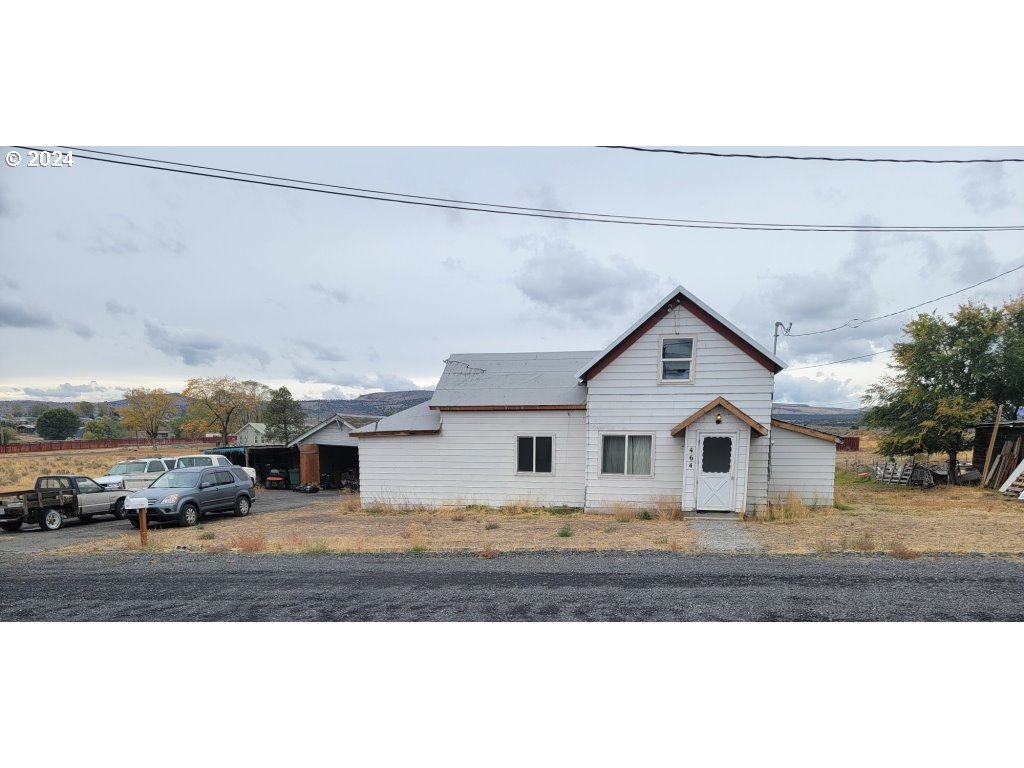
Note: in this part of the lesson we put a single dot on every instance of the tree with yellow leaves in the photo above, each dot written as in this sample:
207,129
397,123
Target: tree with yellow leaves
148,409
215,402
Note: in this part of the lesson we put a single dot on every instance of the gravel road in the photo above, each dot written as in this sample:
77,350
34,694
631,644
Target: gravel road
512,587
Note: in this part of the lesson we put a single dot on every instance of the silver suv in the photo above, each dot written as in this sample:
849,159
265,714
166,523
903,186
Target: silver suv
186,495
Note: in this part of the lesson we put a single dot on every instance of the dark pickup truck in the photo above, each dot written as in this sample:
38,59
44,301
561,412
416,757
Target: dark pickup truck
58,497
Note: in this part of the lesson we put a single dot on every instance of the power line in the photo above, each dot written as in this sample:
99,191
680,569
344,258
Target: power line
859,322
817,158
401,198
836,362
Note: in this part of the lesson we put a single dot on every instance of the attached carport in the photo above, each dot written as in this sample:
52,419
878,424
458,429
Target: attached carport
328,452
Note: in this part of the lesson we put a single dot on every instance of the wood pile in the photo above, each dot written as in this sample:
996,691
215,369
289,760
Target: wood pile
1003,465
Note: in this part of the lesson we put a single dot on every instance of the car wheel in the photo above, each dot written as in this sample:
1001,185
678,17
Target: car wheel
11,525
188,516
242,506
52,520
119,513
134,521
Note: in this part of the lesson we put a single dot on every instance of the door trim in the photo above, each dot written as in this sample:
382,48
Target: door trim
733,469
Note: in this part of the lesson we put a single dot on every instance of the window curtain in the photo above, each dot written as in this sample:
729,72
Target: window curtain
613,454
639,454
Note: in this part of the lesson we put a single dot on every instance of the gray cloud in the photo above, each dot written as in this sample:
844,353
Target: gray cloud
336,294
385,381
198,347
80,330
320,351
92,390
335,393
115,307
9,282
567,282
790,388
985,188
123,237
16,315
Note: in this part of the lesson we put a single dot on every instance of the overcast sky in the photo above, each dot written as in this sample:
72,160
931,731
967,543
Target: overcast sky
113,277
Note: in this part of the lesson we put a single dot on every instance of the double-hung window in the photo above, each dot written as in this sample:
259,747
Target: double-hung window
626,454
676,362
534,453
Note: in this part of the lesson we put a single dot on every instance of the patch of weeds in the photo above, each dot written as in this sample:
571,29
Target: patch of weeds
565,531
624,516
862,542
317,547
418,548
251,542
644,514
611,529
562,511
208,536
661,541
902,552
458,518
487,552
490,525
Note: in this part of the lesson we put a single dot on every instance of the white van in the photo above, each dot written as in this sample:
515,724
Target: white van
210,460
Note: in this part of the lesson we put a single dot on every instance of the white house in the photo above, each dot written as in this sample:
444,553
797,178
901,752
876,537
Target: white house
253,433
676,408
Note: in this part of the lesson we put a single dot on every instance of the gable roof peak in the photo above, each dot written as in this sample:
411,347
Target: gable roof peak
679,296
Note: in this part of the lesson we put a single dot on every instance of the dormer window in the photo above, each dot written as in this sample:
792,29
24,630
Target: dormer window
676,361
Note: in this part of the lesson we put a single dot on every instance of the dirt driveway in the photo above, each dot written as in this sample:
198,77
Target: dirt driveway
105,531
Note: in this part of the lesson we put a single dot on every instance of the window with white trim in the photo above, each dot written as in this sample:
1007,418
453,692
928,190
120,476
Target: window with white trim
534,453
626,454
676,361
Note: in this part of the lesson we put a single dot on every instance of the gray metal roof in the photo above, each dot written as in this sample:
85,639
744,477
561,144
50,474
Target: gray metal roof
511,379
419,418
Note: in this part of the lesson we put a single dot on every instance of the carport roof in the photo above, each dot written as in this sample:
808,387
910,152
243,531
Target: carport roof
342,420
419,419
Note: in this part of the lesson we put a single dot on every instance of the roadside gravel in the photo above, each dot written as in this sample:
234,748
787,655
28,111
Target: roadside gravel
546,586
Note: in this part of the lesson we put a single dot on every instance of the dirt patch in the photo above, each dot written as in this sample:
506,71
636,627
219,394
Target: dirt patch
874,517
332,526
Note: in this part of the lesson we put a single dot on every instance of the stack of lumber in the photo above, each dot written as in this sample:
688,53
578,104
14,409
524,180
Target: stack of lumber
891,473
1004,464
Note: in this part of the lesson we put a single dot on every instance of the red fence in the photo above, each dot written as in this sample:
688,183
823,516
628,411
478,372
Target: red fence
78,445
850,443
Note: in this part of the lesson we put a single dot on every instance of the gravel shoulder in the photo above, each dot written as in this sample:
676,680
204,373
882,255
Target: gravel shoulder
539,586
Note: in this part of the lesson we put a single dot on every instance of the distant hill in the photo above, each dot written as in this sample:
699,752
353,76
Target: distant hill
373,404
820,416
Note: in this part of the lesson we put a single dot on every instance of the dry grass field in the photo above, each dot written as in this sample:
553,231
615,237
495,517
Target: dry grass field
341,525
907,522
20,470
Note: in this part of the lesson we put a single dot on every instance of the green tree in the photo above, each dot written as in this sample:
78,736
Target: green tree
85,409
57,424
15,411
106,428
8,435
147,410
39,409
284,417
215,402
256,396
944,380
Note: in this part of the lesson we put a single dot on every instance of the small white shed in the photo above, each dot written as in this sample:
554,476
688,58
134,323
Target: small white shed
253,433
804,462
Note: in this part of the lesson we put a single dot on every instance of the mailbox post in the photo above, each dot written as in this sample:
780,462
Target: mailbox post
140,504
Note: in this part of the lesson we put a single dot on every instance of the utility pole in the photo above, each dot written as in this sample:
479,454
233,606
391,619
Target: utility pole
785,328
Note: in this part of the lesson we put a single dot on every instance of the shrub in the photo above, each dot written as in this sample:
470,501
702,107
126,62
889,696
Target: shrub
490,525
901,552
250,542
208,536
487,552
565,531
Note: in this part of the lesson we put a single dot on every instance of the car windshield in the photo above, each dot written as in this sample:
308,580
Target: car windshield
195,461
128,468
175,479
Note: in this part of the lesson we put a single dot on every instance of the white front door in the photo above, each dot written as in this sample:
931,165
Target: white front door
716,472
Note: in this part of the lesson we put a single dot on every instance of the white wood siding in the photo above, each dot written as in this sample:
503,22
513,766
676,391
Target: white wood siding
473,461
802,464
248,435
730,426
333,434
627,397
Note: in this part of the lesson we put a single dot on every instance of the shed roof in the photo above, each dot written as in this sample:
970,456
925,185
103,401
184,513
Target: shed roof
259,426
800,429
511,381
419,419
706,314
342,420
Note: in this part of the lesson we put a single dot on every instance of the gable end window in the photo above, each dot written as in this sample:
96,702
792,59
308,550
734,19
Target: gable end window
675,364
626,454
534,453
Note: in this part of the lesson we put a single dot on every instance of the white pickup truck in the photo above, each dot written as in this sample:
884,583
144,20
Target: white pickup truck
135,473
211,460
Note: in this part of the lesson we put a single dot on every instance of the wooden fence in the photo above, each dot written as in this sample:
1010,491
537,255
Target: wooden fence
43,446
